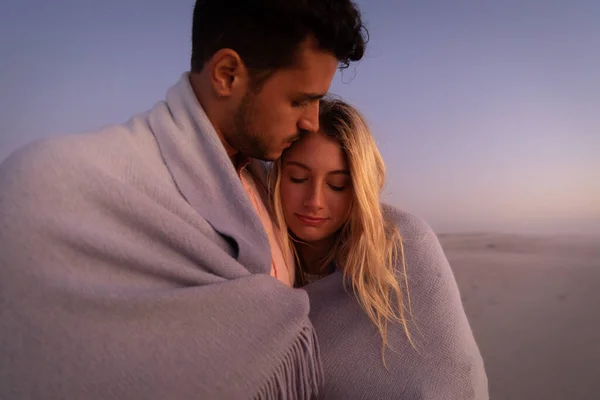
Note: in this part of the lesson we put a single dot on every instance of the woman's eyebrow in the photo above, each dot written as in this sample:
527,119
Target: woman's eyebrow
339,172
304,166
297,164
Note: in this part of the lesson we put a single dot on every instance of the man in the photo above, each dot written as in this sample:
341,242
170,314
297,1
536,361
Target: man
135,261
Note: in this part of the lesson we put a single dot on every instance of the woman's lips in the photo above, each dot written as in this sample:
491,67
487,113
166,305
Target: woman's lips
311,221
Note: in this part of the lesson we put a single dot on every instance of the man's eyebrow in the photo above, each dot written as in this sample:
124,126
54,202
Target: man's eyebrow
304,166
312,96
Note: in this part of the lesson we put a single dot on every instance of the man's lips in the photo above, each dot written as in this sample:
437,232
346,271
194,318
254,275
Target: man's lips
310,220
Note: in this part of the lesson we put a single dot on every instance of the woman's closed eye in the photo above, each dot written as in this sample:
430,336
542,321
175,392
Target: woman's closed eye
297,180
337,188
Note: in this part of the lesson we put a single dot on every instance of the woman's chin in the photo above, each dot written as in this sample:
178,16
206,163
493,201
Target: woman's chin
309,236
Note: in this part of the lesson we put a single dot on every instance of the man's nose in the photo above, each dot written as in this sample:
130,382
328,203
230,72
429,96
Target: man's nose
309,121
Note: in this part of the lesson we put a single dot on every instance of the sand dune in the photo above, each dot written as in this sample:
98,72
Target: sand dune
534,306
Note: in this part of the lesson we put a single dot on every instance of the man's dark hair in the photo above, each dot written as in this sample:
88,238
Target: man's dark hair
266,33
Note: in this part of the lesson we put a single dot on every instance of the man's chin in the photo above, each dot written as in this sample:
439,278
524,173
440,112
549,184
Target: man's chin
267,154
271,155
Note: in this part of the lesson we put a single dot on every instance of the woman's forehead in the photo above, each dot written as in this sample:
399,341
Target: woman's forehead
316,151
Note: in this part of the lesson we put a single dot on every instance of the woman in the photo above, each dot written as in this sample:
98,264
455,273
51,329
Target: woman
325,190
325,193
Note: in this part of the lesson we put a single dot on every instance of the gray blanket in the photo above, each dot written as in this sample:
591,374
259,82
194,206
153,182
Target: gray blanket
446,363
133,266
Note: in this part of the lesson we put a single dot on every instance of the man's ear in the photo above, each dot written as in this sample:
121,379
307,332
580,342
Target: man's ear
228,74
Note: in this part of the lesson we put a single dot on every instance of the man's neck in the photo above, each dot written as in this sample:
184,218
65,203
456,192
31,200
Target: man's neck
235,156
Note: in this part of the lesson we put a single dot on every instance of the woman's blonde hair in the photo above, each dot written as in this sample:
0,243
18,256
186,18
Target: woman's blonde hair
368,249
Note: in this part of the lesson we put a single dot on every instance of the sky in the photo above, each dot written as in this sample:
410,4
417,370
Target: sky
487,114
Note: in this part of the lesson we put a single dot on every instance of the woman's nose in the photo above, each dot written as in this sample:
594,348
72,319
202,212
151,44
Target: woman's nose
314,200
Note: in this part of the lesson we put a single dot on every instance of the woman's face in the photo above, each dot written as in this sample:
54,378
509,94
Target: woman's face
316,189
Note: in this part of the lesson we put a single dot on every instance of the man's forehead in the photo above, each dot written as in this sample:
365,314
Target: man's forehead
314,74
312,58
305,86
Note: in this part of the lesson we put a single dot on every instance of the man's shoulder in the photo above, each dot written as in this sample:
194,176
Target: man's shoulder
65,160
70,150
47,155
41,155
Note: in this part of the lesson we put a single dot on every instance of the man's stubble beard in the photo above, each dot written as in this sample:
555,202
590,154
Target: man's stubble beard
242,137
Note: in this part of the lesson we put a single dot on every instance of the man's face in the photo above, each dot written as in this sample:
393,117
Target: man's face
286,106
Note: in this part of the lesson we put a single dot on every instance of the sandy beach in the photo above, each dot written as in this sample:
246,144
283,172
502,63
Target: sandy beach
533,303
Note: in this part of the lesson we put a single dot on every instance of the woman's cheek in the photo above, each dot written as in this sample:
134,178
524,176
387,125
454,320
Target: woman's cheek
288,197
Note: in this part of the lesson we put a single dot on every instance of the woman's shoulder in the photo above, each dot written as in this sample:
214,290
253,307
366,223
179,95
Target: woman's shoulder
444,331
425,257
410,226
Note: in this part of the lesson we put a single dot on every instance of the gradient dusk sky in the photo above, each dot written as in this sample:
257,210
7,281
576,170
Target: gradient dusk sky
487,113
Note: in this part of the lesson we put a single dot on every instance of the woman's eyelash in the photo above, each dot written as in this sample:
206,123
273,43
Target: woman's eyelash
332,187
297,180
